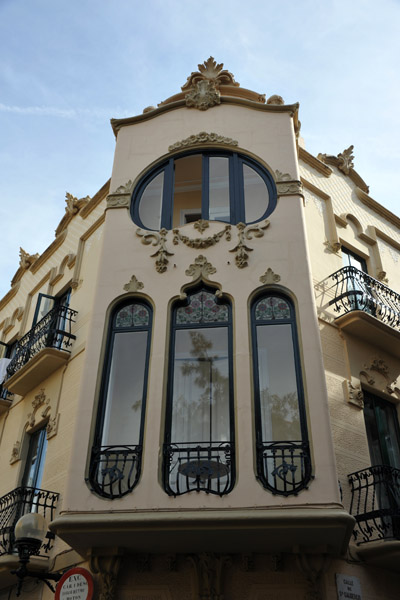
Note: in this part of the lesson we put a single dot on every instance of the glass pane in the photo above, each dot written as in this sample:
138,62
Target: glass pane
125,389
256,196
271,309
200,410
151,203
35,459
279,401
44,304
202,308
187,189
219,207
133,315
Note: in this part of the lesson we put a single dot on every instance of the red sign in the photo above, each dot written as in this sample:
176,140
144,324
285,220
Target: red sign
75,584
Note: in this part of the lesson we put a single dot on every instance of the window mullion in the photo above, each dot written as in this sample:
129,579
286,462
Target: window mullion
205,188
168,195
236,189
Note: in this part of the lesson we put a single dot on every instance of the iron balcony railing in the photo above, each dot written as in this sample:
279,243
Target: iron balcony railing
114,470
284,468
375,503
355,290
199,466
53,331
19,502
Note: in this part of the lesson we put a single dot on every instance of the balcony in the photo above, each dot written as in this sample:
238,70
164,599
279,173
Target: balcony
114,470
284,468
367,308
44,349
375,504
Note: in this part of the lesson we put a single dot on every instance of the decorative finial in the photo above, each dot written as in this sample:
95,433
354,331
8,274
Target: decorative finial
346,159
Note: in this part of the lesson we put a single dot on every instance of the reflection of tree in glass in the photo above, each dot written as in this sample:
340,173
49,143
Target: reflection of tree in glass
283,413
212,401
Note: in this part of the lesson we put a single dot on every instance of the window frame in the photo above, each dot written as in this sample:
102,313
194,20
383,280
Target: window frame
131,452
236,187
174,327
290,446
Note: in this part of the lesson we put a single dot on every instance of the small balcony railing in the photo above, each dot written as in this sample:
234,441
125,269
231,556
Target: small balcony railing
19,502
355,290
114,470
375,503
207,467
284,468
53,331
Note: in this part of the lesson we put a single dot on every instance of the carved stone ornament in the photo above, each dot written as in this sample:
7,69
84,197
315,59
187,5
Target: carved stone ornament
246,232
124,189
15,453
354,394
208,569
333,247
346,160
157,239
313,567
377,373
202,138
107,567
201,242
210,71
25,259
52,426
201,225
270,277
74,204
248,562
286,185
121,198
39,401
133,285
382,276
203,96
275,99
200,268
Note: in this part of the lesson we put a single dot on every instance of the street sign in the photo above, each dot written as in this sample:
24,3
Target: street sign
75,584
348,587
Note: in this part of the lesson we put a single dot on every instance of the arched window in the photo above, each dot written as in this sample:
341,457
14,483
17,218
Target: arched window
283,455
117,450
199,437
217,186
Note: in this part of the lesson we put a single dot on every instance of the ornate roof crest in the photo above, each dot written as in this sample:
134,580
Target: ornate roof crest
210,71
346,160
25,259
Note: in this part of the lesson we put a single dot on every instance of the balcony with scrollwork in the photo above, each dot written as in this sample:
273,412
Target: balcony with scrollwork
366,308
41,351
14,505
375,504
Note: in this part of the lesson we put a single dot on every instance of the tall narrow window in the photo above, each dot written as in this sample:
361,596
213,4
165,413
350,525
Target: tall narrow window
199,440
117,451
283,458
35,459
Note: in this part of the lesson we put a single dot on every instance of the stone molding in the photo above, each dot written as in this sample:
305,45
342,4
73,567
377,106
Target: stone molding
344,161
378,374
208,571
107,567
286,185
200,269
203,138
314,162
354,393
133,285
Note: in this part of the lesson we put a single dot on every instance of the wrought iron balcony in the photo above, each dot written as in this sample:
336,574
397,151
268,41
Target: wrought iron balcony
115,470
207,467
19,502
53,331
375,503
284,468
355,290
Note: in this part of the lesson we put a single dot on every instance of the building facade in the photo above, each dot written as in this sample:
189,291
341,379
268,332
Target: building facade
199,375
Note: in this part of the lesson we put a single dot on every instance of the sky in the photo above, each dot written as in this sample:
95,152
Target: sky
66,68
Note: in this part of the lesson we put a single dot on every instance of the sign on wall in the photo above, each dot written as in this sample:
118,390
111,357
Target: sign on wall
348,587
75,584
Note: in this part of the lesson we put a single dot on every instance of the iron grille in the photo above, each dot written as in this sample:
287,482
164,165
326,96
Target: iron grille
198,467
19,502
115,470
284,468
355,290
53,331
375,503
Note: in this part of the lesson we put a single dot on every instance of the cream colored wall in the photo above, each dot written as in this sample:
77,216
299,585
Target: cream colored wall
283,248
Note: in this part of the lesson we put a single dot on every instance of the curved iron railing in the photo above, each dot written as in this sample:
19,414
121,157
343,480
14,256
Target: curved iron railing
355,290
375,503
284,468
19,502
53,331
114,470
199,466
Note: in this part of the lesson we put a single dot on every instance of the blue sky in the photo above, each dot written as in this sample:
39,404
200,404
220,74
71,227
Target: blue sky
66,68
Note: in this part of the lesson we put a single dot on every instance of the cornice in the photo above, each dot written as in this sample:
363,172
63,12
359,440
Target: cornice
314,189
381,210
95,201
344,162
10,295
116,124
314,162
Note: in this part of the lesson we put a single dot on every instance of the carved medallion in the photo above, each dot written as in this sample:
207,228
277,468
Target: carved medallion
203,96
203,138
200,268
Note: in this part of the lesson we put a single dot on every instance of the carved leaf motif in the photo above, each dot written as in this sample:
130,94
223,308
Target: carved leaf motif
246,232
203,96
200,268
203,138
270,277
133,285
157,239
